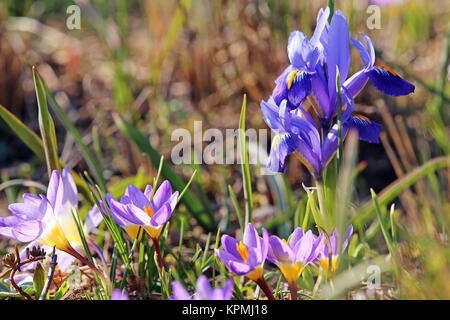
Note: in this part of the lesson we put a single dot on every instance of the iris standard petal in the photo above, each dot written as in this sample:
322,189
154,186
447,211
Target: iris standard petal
387,81
337,51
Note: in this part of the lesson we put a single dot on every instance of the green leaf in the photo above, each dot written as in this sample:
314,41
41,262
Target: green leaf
46,126
388,194
244,165
39,280
27,136
64,288
189,199
93,164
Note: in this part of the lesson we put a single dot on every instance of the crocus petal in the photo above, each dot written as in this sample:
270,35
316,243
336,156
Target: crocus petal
226,257
161,217
26,210
162,195
229,244
348,235
388,82
279,251
178,292
204,290
295,237
368,130
239,268
52,189
118,294
27,231
251,237
136,196
93,219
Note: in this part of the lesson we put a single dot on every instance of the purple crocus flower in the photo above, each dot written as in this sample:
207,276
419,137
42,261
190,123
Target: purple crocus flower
295,83
323,249
204,291
135,210
294,255
48,219
65,260
118,294
245,257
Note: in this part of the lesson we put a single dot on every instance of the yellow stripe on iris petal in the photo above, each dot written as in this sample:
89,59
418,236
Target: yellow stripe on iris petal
291,78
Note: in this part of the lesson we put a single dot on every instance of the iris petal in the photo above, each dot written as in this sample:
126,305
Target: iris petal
388,82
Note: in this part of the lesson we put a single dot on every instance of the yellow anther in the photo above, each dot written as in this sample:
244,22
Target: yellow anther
148,210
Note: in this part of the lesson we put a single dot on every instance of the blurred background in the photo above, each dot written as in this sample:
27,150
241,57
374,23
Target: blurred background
163,64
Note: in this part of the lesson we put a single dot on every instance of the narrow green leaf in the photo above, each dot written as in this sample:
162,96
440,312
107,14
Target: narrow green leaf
27,136
388,194
245,165
46,126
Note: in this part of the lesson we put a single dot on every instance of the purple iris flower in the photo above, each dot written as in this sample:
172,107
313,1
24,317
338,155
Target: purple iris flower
294,255
47,220
245,257
383,78
204,291
336,42
323,249
297,132
135,210
305,56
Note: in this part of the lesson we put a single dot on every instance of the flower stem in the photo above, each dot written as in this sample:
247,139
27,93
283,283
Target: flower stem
158,253
322,204
293,289
265,288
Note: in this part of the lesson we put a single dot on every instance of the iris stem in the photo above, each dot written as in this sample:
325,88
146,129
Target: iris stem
322,204
265,288
158,253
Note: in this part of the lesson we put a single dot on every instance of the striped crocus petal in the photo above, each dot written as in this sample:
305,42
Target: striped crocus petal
387,81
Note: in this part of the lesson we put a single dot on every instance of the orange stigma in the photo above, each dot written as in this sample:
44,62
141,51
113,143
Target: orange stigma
242,249
148,210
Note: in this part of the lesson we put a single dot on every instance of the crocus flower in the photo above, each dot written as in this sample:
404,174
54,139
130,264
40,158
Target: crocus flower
247,257
65,260
47,220
135,210
323,249
118,294
204,291
294,255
